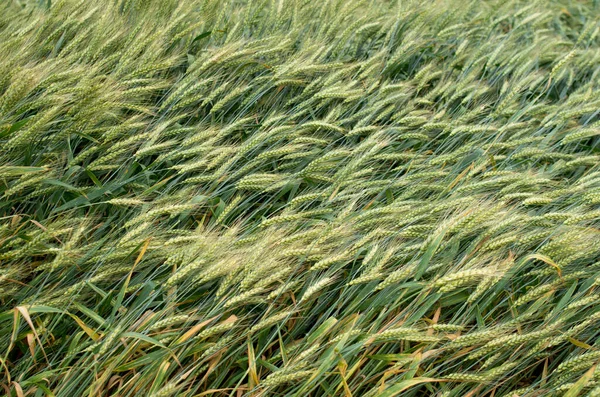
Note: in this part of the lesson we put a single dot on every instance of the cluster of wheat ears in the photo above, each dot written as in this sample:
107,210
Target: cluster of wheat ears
299,198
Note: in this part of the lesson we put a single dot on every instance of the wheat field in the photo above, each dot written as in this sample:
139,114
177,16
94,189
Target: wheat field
352,198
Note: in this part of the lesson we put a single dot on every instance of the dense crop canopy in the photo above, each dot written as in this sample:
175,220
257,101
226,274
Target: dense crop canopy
299,198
